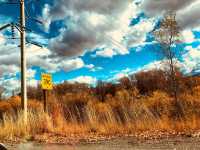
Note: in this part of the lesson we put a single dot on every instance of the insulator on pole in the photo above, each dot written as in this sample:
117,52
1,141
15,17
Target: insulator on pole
13,30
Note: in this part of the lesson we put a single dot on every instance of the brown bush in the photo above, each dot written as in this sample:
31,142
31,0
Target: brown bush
150,81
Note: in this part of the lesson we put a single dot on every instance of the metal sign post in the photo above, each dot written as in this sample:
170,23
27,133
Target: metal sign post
47,84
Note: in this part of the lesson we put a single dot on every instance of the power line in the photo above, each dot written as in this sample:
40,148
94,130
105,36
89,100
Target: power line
31,1
115,42
108,37
112,40
11,48
17,38
106,22
8,3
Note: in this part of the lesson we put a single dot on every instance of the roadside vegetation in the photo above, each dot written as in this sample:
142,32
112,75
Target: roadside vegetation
153,103
135,105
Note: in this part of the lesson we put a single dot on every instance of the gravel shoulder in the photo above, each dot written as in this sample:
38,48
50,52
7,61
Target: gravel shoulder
126,143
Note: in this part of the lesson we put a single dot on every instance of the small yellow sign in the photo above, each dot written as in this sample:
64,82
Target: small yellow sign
47,83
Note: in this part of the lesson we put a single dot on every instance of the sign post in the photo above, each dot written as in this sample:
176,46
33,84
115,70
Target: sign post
47,85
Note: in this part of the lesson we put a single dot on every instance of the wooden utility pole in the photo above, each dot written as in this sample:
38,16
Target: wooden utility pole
23,60
21,27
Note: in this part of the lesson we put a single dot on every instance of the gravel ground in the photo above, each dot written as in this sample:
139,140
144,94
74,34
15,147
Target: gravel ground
119,144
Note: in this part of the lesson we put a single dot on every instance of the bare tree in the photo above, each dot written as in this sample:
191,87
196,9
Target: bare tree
168,36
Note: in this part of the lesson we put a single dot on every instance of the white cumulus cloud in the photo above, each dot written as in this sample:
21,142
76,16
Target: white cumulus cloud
84,79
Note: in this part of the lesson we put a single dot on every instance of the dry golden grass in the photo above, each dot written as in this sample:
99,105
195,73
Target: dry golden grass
13,127
119,114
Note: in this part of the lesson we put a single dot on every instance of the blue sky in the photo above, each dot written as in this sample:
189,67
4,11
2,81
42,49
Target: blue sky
86,41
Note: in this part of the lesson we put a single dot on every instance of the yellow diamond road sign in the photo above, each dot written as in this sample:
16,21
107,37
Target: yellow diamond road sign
46,82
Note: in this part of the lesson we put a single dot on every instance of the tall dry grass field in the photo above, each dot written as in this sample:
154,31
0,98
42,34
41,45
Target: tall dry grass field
124,109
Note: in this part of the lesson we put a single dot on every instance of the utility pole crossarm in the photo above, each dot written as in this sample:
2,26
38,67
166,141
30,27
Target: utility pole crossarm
5,26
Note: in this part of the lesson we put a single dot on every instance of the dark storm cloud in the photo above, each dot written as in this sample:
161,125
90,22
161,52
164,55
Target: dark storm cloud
190,16
187,10
155,7
73,42
83,35
107,7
